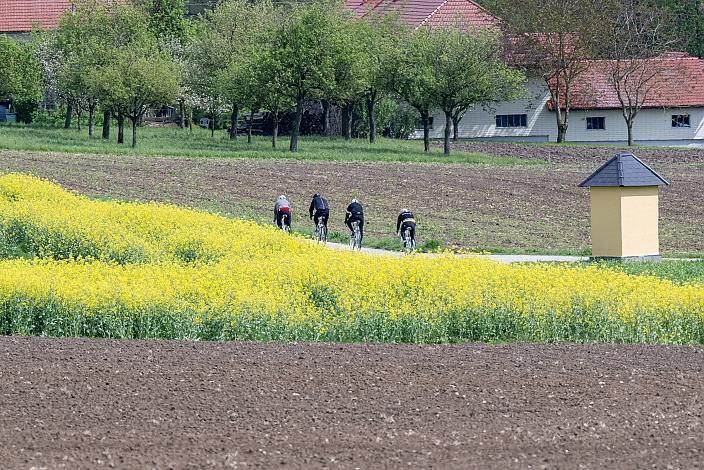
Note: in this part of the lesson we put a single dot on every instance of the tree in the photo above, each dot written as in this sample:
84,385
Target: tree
411,76
203,66
468,68
166,19
139,75
376,36
302,52
554,39
639,33
20,77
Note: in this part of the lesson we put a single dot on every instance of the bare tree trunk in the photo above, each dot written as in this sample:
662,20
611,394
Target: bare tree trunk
426,130
275,130
79,112
293,146
234,117
120,128
134,130
181,113
249,127
326,117
69,115
455,128
212,123
629,124
345,118
448,130
106,124
190,119
347,112
371,104
91,120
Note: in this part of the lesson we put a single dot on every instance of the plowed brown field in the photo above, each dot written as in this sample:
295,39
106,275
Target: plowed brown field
73,403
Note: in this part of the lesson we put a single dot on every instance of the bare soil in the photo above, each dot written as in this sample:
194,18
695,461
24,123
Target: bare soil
74,403
526,208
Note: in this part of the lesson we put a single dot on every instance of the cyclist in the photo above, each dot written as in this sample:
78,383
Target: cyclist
322,210
355,213
282,212
406,220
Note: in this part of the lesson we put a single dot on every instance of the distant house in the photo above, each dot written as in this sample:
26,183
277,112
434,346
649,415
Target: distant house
672,115
19,17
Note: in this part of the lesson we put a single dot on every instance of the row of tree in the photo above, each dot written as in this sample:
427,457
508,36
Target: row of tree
123,58
259,56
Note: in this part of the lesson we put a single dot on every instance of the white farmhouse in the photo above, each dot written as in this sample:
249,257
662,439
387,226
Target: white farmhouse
672,113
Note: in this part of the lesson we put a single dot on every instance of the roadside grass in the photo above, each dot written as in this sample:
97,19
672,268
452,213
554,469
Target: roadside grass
677,271
161,141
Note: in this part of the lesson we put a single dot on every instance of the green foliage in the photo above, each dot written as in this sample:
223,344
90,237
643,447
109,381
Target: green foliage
166,18
677,271
20,77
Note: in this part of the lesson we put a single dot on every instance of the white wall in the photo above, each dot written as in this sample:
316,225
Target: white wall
652,126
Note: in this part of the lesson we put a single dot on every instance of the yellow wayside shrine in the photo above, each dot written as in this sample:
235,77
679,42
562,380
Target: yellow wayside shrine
624,209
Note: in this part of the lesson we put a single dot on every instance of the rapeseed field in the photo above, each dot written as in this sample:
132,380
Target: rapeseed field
135,270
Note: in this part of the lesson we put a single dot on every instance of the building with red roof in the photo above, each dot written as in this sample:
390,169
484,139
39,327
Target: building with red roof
22,16
671,109
428,12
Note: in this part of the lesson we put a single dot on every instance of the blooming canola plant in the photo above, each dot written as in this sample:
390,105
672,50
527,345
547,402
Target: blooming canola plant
135,270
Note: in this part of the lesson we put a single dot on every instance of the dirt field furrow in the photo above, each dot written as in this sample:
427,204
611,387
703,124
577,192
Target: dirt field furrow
72,403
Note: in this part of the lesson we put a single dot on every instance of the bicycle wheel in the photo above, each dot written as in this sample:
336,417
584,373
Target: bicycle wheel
357,238
323,234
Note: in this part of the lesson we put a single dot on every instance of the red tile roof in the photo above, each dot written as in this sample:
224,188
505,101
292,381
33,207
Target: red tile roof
428,12
679,84
18,16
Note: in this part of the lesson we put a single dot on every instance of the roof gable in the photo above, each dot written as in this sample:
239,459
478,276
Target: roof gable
428,12
624,169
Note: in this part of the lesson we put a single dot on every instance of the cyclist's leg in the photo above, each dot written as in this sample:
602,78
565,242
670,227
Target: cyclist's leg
288,220
361,228
316,218
325,215
349,224
279,217
413,231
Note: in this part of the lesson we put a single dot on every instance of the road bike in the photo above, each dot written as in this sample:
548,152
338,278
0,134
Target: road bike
286,217
321,232
409,243
356,236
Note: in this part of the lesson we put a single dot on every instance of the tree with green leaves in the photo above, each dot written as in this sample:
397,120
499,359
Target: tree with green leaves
139,75
411,76
376,34
304,52
468,68
20,77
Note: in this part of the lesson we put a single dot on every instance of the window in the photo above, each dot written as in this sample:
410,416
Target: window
511,120
680,120
596,123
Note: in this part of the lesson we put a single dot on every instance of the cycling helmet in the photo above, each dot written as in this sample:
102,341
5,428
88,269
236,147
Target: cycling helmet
316,195
354,200
404,210
282,197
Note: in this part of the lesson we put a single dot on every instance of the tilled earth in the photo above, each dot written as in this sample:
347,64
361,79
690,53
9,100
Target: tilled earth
535,208
74,403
